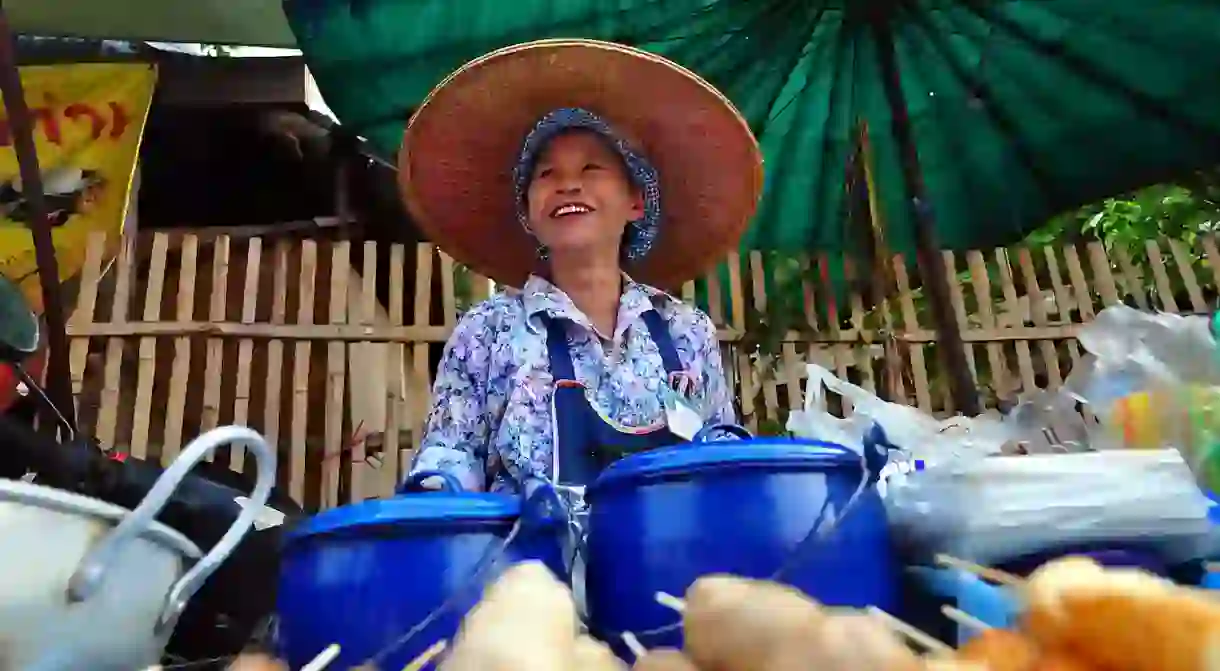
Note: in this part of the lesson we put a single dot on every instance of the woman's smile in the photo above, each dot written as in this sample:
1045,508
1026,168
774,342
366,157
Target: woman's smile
570,209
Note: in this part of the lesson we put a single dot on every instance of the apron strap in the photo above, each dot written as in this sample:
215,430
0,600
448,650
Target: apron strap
659,330
572,429
557,350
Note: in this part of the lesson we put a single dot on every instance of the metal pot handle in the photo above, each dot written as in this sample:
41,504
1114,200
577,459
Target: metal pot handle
92,569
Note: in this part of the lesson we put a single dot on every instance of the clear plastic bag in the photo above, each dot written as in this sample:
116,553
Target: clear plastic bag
918,434
999,509
1153,381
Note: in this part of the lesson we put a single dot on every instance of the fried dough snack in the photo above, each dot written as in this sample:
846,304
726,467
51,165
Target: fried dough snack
1001,650
1121,618
589,654
1060,662
1007,650
856,642
526,622
952,664
737,624
663,659
257,662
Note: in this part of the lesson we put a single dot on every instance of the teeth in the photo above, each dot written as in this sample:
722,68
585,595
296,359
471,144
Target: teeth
571,209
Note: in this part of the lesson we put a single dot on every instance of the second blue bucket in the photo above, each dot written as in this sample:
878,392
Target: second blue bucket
661,519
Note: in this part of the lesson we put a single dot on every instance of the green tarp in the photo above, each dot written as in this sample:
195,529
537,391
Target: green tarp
1020,108
237,22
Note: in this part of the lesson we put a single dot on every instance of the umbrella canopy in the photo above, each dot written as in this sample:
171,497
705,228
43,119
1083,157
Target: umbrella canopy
239,22
1019,109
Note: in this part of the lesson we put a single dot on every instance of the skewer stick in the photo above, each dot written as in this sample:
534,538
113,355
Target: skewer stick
989,574
323,659
633,644
917,636
670,601
424,658
965,619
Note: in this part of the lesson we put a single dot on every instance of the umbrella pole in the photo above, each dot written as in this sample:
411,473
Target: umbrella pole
935,278
21,128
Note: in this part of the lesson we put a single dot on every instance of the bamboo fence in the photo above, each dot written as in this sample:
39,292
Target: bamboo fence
327,347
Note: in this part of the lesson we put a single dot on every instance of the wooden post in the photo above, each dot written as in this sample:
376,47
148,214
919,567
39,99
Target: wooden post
21,125
949,336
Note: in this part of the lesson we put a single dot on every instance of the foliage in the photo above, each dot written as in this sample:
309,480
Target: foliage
1180,211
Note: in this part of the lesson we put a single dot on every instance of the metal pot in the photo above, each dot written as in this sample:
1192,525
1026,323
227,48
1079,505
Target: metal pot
86,584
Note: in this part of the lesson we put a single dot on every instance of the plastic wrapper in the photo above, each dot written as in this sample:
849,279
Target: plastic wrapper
1131,351
1153,381
1047,422
995,510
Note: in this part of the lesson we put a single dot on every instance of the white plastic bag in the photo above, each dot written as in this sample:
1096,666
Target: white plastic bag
918,434
999,509
816,423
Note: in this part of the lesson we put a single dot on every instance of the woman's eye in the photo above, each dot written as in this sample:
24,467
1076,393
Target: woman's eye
593,166
545,172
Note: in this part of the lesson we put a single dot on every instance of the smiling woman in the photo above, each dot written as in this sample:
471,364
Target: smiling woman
586,363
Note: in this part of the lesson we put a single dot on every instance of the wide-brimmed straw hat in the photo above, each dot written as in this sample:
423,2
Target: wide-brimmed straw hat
464,142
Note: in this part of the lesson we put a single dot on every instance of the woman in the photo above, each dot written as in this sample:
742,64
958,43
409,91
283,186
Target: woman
589,174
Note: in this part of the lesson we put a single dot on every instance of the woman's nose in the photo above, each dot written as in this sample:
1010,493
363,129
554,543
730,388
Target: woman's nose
568,184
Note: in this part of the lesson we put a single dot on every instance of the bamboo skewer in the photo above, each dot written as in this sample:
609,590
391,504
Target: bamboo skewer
633,644
426,656
323,659
965,619
670,601
914,634
986,573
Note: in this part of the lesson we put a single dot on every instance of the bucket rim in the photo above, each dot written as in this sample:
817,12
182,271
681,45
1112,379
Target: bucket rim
790,454
410,510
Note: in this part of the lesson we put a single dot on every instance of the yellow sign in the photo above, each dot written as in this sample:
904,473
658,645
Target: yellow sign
88,122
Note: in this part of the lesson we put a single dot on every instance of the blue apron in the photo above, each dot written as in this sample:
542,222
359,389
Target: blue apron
583,441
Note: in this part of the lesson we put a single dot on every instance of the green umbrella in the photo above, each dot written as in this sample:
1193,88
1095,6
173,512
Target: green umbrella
1018,109
1001,112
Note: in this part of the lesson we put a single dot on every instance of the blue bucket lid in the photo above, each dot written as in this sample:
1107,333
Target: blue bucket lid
430,509
781,454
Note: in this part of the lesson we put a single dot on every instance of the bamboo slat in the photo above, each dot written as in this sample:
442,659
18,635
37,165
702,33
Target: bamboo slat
394,460
336,448
107,421
307,279
148,348
175,411
245,349
210,418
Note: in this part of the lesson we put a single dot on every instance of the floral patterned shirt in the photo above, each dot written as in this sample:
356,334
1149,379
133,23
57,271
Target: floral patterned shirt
491,424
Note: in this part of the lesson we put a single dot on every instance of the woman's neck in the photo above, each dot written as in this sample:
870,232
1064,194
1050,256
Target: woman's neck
595,288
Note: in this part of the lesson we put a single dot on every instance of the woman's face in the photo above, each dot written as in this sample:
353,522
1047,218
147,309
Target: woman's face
580,198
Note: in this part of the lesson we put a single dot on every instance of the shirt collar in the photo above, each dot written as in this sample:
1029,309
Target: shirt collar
543,298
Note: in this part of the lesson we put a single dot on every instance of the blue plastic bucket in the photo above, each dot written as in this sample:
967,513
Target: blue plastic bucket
365,575
661,519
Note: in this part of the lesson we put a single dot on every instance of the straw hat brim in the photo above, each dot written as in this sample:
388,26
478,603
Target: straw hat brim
460,147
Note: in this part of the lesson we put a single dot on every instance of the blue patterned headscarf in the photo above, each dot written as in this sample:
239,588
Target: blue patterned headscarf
639,236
